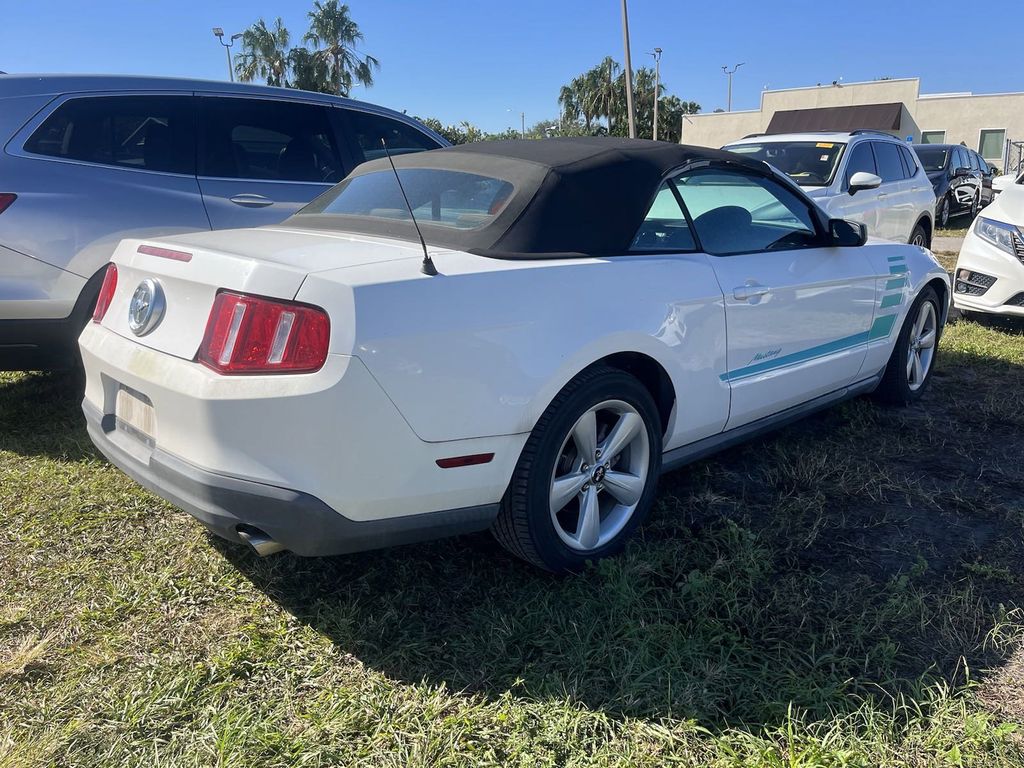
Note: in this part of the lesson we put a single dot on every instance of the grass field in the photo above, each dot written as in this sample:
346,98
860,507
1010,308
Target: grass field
847,592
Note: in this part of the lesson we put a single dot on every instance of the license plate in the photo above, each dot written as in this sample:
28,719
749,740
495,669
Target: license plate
134,413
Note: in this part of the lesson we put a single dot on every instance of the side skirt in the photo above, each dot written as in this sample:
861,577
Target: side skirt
687,454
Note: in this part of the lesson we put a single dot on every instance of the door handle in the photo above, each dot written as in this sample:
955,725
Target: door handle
251,201
750,291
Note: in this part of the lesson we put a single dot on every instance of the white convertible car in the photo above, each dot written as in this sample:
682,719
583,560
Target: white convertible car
582,315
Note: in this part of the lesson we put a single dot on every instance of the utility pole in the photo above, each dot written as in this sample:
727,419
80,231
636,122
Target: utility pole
629,72
657,84
522,117
218,32
730,73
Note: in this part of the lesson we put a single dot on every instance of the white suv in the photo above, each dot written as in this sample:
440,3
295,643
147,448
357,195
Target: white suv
866,176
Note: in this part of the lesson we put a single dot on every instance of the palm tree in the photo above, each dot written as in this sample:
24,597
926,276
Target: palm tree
331,26
309,71
264,54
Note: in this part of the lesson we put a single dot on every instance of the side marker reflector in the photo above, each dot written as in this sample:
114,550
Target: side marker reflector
464,461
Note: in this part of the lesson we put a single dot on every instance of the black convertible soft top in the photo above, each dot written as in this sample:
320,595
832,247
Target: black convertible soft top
572,197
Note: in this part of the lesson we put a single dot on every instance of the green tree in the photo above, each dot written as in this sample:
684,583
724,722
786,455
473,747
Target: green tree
309,71
264,54
600,94
335,35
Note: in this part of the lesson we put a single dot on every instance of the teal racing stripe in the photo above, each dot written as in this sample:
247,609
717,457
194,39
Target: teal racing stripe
896,282
797,357
896,258
882,327
892,300
898,269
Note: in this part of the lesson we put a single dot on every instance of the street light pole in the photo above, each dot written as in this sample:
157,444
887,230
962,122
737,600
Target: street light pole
522,118
218,32
730,73
657,84
629,72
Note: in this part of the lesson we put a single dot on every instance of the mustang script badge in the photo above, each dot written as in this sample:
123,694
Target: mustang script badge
146,308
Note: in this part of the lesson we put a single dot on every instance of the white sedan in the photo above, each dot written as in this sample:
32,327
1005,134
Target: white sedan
580,316
990,268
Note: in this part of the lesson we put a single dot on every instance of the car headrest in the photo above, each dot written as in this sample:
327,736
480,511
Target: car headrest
156,150
297,162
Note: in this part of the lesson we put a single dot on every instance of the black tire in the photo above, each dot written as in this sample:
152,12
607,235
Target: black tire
895,389
975,207
920,236
524,524
942,215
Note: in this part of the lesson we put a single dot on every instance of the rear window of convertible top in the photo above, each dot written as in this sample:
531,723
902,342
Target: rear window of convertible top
440,197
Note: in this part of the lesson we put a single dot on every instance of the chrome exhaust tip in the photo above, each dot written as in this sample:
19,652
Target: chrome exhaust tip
261,543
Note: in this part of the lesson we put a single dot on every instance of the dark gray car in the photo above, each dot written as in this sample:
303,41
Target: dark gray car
89,160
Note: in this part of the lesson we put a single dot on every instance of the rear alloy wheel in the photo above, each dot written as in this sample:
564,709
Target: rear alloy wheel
587,475
919,236
910,367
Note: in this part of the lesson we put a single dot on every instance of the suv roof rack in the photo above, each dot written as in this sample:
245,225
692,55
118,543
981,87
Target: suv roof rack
753,135
873,131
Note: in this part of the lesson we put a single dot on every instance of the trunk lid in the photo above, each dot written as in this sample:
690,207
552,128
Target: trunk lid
189,270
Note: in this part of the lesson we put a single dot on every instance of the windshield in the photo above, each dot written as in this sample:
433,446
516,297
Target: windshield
932,158
444,198
808,163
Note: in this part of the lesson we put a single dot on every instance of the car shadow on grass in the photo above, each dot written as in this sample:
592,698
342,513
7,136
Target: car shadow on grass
41,415
865,552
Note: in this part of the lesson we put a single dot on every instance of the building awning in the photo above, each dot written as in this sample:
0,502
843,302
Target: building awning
880,117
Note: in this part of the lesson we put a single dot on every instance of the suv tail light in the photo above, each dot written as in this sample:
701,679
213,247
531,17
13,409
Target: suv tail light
251,334
106,293
6,198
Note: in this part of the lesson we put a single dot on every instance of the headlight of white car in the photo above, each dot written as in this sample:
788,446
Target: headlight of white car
999,234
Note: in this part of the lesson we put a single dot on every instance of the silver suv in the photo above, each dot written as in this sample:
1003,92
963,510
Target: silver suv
89,160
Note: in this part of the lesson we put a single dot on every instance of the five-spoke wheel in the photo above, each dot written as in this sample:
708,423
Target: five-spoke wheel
921,349
587,475
599,475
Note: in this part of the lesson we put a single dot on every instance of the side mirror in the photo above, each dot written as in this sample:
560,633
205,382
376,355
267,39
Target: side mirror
864,180
847,234
961,172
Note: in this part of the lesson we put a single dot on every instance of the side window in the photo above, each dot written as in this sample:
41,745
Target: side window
367,130
665,227
888,156
267,139
862,159
910,160
738,212
960,159
149,133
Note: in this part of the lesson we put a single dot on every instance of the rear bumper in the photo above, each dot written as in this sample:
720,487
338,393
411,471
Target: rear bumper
301,523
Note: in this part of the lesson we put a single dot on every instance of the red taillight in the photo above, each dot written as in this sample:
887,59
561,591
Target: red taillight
251,334
6,198
106,293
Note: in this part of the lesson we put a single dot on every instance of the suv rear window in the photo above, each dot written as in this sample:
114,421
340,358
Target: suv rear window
367,130
444,198
808,163
150,133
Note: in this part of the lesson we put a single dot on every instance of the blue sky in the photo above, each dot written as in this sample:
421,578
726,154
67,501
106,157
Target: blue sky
486,62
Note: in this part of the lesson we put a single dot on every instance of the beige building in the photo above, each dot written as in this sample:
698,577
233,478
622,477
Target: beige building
988,123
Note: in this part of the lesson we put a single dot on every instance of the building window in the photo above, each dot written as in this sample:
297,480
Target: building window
991,144
933,137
